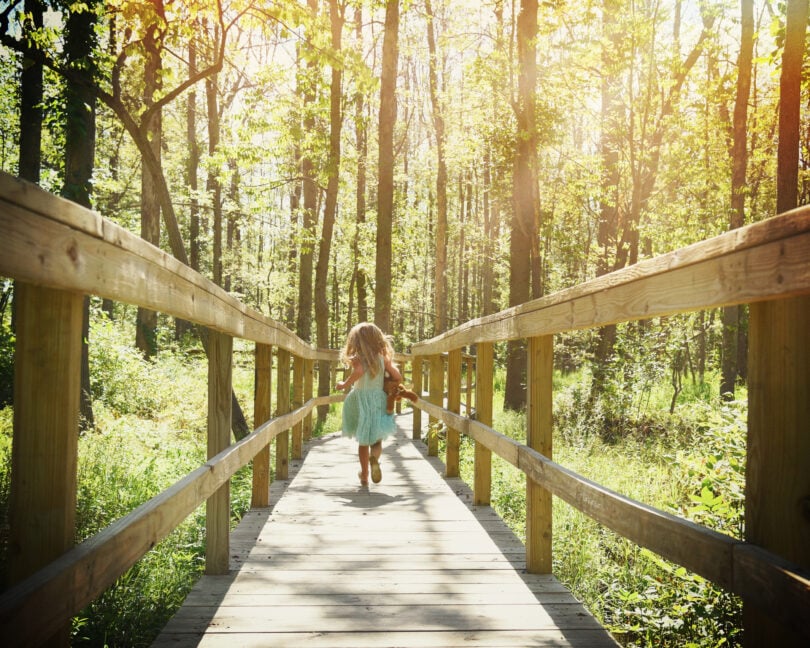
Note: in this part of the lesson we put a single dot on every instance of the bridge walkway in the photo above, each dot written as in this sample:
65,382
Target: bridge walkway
407,562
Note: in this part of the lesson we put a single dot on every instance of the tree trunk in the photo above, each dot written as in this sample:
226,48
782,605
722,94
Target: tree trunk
213,183
31,103
80,146
146,322
308,171
440,268
325,245
523,227
360,125
778,389
385,190
739,165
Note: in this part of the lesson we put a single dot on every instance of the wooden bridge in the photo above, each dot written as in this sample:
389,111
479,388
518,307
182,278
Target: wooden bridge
407,562
59,252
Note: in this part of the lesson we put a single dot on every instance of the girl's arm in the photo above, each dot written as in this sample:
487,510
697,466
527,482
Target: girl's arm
357,371
393,371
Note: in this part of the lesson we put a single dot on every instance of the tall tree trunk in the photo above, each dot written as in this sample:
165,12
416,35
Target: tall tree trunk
31,102
333,167
193,162
523,232
146,322
192,169
360,125
739,165
440,269
80,149
213,183
308,172
385,190
609,145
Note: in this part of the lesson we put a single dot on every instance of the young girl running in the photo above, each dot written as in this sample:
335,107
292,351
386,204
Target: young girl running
369,354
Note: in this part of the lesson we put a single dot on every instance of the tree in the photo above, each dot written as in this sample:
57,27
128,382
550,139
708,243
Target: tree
523,229
146,320
440,273
336,15
385,188
739,165
30,154
80,148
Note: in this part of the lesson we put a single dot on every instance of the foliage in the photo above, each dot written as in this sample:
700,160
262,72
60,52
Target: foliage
690,463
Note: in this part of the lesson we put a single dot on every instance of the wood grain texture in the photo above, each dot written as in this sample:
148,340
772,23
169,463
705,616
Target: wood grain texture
416,378
52,242
538,437
436,390
454,405
482,480
218,505
408,562
30,610
282,407
777,504
262,411
763,261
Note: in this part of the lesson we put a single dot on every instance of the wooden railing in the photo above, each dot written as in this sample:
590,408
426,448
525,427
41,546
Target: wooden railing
59,252
766,265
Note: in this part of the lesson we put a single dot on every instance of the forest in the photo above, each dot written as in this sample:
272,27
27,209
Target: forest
421,163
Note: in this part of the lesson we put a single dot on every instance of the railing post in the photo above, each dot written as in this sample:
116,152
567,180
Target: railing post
282,407
298,400
777,489
538,500
309,377
468,367
416,379
436,389
454,405
263,386
217,507
47,378
482,484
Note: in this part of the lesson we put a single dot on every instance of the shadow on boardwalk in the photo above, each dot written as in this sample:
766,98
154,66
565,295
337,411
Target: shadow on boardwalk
407,562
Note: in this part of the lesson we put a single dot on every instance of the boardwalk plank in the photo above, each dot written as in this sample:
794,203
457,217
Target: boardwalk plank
407,562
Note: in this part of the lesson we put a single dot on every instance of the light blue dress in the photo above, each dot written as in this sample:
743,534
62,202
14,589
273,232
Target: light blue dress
364,415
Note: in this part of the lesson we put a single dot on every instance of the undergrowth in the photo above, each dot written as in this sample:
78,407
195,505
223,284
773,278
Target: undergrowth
689,463
150,432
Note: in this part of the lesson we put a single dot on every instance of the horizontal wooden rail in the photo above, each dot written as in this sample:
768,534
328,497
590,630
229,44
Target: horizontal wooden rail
49,241
763,261
740,567
31,611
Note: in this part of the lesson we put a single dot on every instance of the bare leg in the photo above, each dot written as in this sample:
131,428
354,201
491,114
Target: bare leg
362,453
376,473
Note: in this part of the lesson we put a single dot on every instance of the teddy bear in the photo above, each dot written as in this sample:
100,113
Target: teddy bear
395,391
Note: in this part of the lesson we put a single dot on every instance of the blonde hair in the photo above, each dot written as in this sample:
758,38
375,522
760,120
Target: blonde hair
365,342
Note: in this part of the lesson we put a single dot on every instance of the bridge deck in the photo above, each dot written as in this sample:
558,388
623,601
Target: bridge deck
407,562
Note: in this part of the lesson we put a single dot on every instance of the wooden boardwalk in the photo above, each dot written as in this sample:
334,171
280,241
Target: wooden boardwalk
407,562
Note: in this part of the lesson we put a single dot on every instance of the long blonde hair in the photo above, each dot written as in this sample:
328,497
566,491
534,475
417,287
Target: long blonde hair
365,342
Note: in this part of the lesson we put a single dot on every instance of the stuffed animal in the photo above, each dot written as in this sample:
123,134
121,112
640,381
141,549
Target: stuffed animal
395,391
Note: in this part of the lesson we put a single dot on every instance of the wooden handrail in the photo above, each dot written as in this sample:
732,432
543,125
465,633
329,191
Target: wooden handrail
740,567
50,241
32,610
766,260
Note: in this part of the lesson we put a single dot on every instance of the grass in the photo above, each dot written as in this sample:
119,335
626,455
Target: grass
150,432
689,463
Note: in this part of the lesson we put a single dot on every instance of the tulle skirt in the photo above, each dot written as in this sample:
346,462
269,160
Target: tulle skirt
365,418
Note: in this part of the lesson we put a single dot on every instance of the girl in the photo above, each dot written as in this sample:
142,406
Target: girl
369,353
